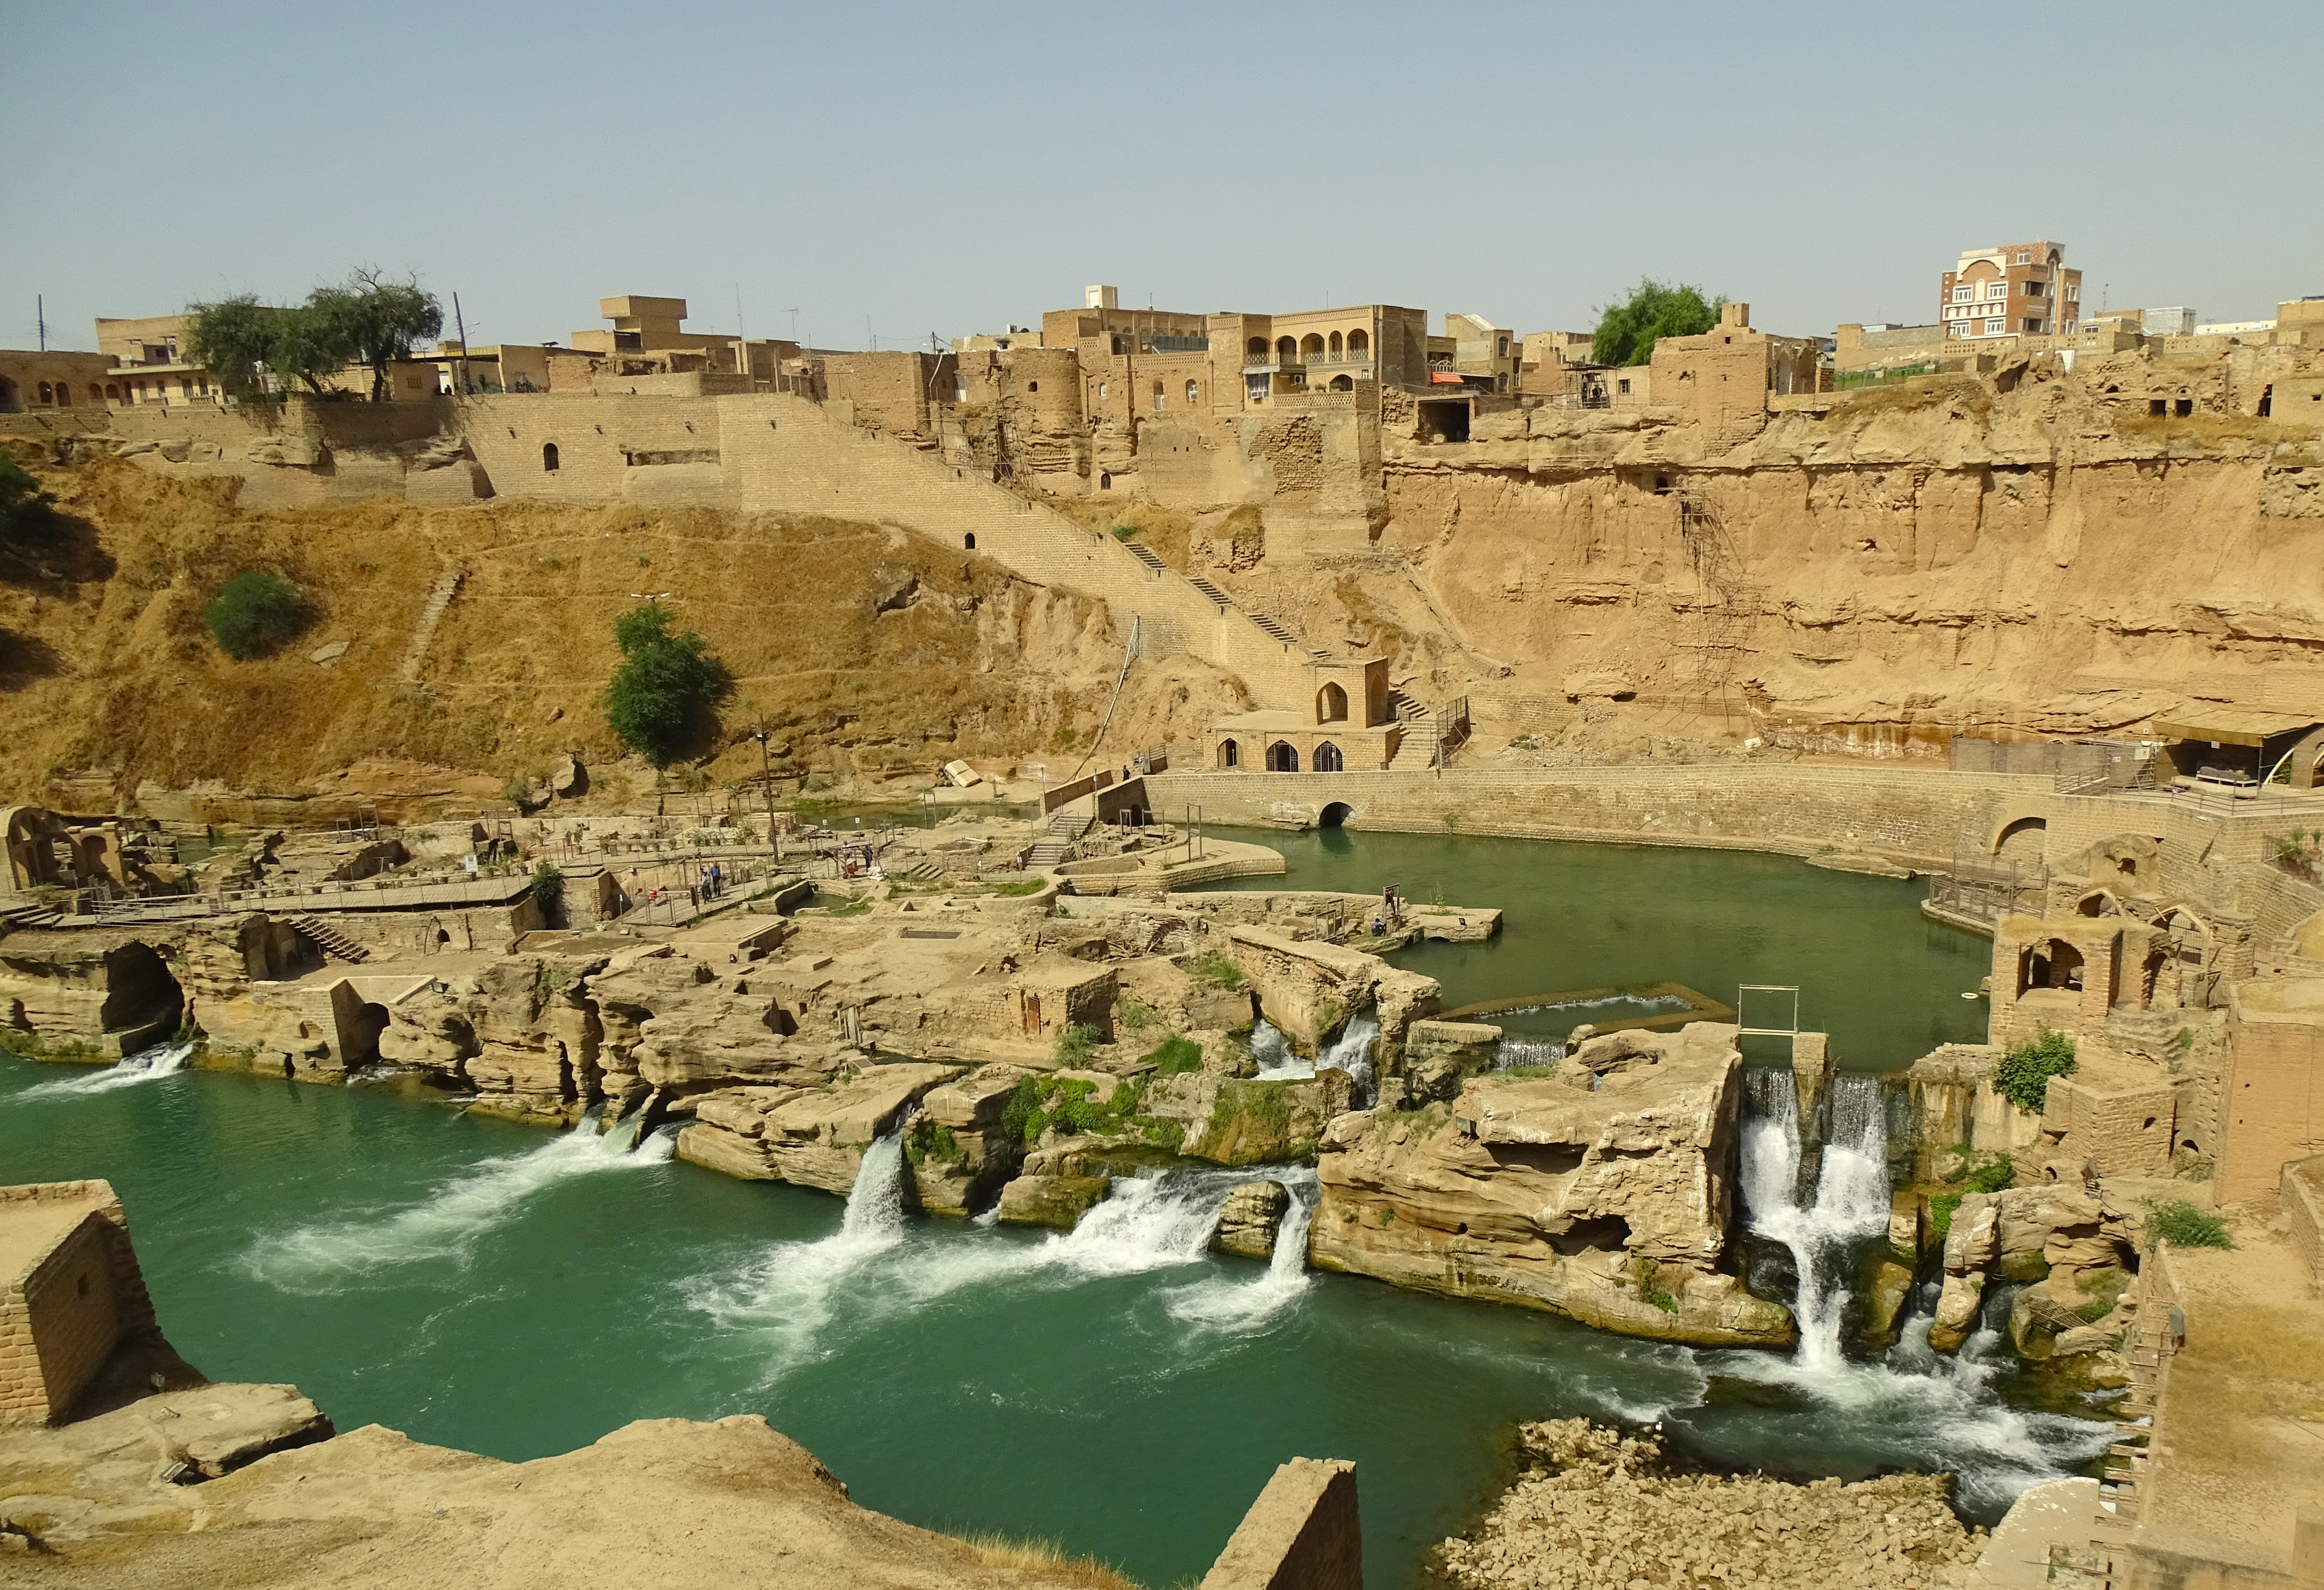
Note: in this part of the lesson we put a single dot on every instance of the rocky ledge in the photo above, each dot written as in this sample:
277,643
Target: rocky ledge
1595,1510
1603,1192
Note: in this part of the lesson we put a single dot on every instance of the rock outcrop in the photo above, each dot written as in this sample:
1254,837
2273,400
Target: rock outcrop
1250,1218
1604,1193
811,1136
2077,1249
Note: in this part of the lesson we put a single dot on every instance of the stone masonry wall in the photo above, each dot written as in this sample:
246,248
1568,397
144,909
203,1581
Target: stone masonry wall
51,1336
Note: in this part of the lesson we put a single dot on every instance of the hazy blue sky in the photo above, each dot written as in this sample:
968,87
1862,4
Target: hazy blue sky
908,169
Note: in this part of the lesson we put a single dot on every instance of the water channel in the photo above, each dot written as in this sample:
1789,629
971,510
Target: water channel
475,1284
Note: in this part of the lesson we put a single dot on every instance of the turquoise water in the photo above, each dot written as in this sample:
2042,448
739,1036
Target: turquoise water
480,1285
1882,980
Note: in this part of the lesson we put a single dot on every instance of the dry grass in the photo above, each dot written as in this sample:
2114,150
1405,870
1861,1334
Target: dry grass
1047,1562
105,665
2249,1365
1168,534
1969,393
2210,431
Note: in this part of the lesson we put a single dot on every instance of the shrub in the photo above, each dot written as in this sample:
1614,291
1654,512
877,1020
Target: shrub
666,684
1941,1214
1211,967
2183,1225
1076,1043
2022,1077
928,1140
1133,1015
22,503
253,613
549,891
1017,1115
1971,1171
1173,1056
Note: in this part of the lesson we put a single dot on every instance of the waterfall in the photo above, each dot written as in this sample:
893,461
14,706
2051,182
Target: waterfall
1351,1051
1514,1052
147,1064
1851,1196
346,1254
1218,1303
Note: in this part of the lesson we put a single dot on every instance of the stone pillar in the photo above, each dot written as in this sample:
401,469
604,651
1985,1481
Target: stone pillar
1301,1534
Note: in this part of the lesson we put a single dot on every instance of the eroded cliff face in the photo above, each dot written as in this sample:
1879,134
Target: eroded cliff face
1902,563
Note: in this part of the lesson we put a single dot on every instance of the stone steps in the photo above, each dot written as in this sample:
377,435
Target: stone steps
439,598
329,940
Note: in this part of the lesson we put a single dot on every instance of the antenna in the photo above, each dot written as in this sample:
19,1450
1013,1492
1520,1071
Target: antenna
742,337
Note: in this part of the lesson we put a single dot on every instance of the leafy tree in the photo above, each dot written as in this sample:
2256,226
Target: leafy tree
549,892
665,684
232,338
309,346
22,503
1628,332
253,613
378,320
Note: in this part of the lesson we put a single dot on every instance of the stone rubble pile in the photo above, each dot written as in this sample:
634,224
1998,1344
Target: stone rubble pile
1595,1510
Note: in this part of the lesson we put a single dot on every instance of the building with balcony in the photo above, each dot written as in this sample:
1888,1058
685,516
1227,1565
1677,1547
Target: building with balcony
2019,289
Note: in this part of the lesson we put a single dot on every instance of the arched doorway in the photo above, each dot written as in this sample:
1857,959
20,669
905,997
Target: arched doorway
2051,963
1330,704
2022,840
1229,754
1283,757
1335,815
968,542
1342,384
549,456
1327,758
11,401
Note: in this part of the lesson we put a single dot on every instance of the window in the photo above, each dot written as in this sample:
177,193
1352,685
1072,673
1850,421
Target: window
2025,257
1338,348
1255,350
48,393
968,542
1997,290
1101,388
1229,754
1358,344
2031,324
1963,294
1505,348
1032,386
2073,291
1161,400
1327,758
1104,481
1193,391
548,457
1622,388
2033,290
1994,328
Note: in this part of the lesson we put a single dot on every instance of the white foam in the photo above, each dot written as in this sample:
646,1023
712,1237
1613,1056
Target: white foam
340,1255
1243,1307
785,1297
1351,1051
147,1064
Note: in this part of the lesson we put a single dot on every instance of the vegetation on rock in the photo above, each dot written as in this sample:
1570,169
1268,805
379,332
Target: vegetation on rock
253,613
1173,1056
22,503
1967,1172
659,696
1077,1042
2022,1077
1628,332
2182,1226
1211,967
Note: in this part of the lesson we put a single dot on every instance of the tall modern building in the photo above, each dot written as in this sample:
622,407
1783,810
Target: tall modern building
2018,290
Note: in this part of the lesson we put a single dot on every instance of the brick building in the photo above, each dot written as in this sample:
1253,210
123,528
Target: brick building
2020,289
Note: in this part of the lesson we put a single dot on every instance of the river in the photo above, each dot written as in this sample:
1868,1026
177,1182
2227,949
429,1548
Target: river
480,1286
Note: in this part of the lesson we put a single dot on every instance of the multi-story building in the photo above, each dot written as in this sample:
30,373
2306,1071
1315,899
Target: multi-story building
2021,289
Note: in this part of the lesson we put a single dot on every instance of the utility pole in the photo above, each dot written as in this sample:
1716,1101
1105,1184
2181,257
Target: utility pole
743,337
41,313
767,779
460,321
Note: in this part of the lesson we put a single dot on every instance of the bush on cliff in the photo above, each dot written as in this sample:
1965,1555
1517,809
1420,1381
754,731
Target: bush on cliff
661,696
2183,1225
2022,1077
1628,332
22,503
254,615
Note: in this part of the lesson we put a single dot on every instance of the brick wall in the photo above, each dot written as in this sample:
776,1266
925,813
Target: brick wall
2272,1103
59,1324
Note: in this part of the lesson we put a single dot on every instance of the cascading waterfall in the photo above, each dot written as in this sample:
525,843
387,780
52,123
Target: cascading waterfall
1850,1203
1351,1051
147,1064
339,1255
1918,1405
1514,1052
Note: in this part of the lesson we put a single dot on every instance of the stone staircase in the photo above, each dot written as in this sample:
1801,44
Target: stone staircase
329,940
1416,752
447,586
1217,597
1054,846
1145,554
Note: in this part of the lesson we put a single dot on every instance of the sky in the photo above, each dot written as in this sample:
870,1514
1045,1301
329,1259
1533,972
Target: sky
894,171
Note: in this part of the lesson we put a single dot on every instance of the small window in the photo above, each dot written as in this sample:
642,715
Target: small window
1194,390
2033,290
549,456
2025,257
1104,481
968,542
2183,407
1101,388
1622,387
1032,386
2156,407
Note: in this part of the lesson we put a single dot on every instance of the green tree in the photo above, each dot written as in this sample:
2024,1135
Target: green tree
378,320
549,892
1628,332
308,346
232,337
22,503
254,612
666,683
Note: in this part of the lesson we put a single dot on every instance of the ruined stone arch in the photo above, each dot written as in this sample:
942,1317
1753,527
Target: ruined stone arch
1331,703
2015,824
2099,902
2049,963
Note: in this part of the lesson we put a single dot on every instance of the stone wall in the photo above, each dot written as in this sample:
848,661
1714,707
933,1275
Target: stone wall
2302,1201
2274,1088
1303,1533
78,1293
1921,819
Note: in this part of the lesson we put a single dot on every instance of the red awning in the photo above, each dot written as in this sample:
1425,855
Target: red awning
1446,378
